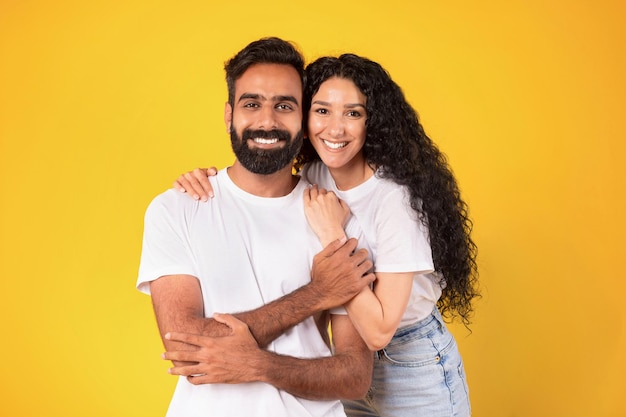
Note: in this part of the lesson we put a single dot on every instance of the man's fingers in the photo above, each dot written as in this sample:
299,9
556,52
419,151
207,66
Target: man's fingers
181,356
199,379
330,249
361,257
349,246
337,245
230,321
369,277
191,339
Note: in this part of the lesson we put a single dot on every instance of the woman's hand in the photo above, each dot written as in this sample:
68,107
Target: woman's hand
196,183
326,214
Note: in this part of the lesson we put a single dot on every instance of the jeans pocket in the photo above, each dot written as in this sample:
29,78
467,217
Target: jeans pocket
415,352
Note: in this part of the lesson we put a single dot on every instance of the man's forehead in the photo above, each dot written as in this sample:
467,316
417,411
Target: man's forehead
275,82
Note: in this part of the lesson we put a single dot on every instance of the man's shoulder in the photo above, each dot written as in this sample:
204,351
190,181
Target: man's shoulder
172,196
171,201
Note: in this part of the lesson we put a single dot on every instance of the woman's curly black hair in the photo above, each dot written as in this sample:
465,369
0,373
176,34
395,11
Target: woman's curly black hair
398,147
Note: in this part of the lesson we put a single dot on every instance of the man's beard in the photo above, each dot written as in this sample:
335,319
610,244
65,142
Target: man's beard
265,161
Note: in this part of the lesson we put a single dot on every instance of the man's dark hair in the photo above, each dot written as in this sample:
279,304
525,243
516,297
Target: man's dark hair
263,51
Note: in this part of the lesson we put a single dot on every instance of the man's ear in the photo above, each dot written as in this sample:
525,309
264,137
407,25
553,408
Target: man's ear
228,116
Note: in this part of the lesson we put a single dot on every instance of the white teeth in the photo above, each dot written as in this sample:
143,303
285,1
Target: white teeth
333,145
265,141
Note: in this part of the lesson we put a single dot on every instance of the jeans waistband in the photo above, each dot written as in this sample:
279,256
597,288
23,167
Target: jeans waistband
421,327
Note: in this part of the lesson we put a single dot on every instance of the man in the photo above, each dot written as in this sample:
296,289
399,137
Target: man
249,253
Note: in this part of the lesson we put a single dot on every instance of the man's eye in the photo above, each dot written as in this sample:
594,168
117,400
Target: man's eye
284,107
251,105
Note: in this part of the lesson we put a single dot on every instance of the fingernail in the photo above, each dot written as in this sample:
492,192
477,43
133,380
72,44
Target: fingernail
182,190
211,195
196,197
167,336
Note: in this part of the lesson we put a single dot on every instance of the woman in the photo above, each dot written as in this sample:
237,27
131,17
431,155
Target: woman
378,160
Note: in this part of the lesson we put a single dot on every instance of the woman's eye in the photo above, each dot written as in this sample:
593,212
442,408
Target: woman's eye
354,113
321,111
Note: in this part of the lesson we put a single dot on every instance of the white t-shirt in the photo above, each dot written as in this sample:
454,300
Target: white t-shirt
245,251
397,240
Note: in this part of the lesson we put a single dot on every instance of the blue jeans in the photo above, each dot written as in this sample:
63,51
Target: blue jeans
419,373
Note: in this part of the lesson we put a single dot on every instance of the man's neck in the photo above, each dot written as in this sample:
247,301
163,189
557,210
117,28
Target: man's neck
278,184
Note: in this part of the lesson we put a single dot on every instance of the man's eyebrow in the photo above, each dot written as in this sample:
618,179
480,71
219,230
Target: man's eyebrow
291,99
254,96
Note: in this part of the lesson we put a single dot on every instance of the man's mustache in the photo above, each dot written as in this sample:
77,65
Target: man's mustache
265,134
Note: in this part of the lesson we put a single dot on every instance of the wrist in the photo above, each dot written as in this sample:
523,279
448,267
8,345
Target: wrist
261,366
332,236
313,296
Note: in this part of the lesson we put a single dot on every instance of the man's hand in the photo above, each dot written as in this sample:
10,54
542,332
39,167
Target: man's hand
227,359
339,273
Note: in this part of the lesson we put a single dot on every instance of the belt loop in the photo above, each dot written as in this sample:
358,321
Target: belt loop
437,316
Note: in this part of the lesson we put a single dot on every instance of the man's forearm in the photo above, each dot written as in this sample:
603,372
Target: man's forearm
337,377
268,322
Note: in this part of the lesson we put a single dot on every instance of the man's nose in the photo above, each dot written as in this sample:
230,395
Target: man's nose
267,118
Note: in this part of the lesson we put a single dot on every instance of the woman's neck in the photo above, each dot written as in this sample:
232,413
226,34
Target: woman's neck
351,175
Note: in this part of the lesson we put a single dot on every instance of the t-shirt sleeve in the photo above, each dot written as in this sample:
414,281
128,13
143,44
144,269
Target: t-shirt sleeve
402,239
165,249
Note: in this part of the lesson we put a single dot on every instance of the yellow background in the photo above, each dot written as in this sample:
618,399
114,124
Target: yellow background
103,104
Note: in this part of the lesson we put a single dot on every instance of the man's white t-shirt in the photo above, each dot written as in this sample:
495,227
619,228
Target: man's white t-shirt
245,251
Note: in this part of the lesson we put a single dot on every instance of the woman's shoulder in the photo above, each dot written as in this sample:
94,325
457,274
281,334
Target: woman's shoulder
386,187
316,173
